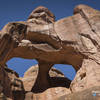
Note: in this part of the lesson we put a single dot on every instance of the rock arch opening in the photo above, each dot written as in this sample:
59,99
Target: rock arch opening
20,65
61,75
67,70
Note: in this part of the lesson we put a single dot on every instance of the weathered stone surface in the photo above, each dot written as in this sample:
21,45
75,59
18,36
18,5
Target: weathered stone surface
56,78
18,89
11,87
42,13
3,97
5,84
58,83
52,94
16,84
87,94
74,40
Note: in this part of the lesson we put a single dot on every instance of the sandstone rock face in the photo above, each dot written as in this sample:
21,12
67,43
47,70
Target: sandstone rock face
5,85
16,85
74,40
30,77
19,88
43,14
87,94
58,82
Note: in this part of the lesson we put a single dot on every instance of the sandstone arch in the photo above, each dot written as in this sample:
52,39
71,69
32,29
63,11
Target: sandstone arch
73,40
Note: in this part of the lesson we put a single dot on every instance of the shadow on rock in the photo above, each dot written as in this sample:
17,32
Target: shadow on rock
53,82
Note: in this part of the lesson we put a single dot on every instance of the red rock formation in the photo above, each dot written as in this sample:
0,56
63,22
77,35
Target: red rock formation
59,84
74,40
19,88
5,85
42,13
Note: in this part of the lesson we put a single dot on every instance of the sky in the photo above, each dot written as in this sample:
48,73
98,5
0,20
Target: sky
19,10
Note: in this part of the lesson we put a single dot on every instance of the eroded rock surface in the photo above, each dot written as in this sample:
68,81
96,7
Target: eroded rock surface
58,85
19,88
5,85
74,40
